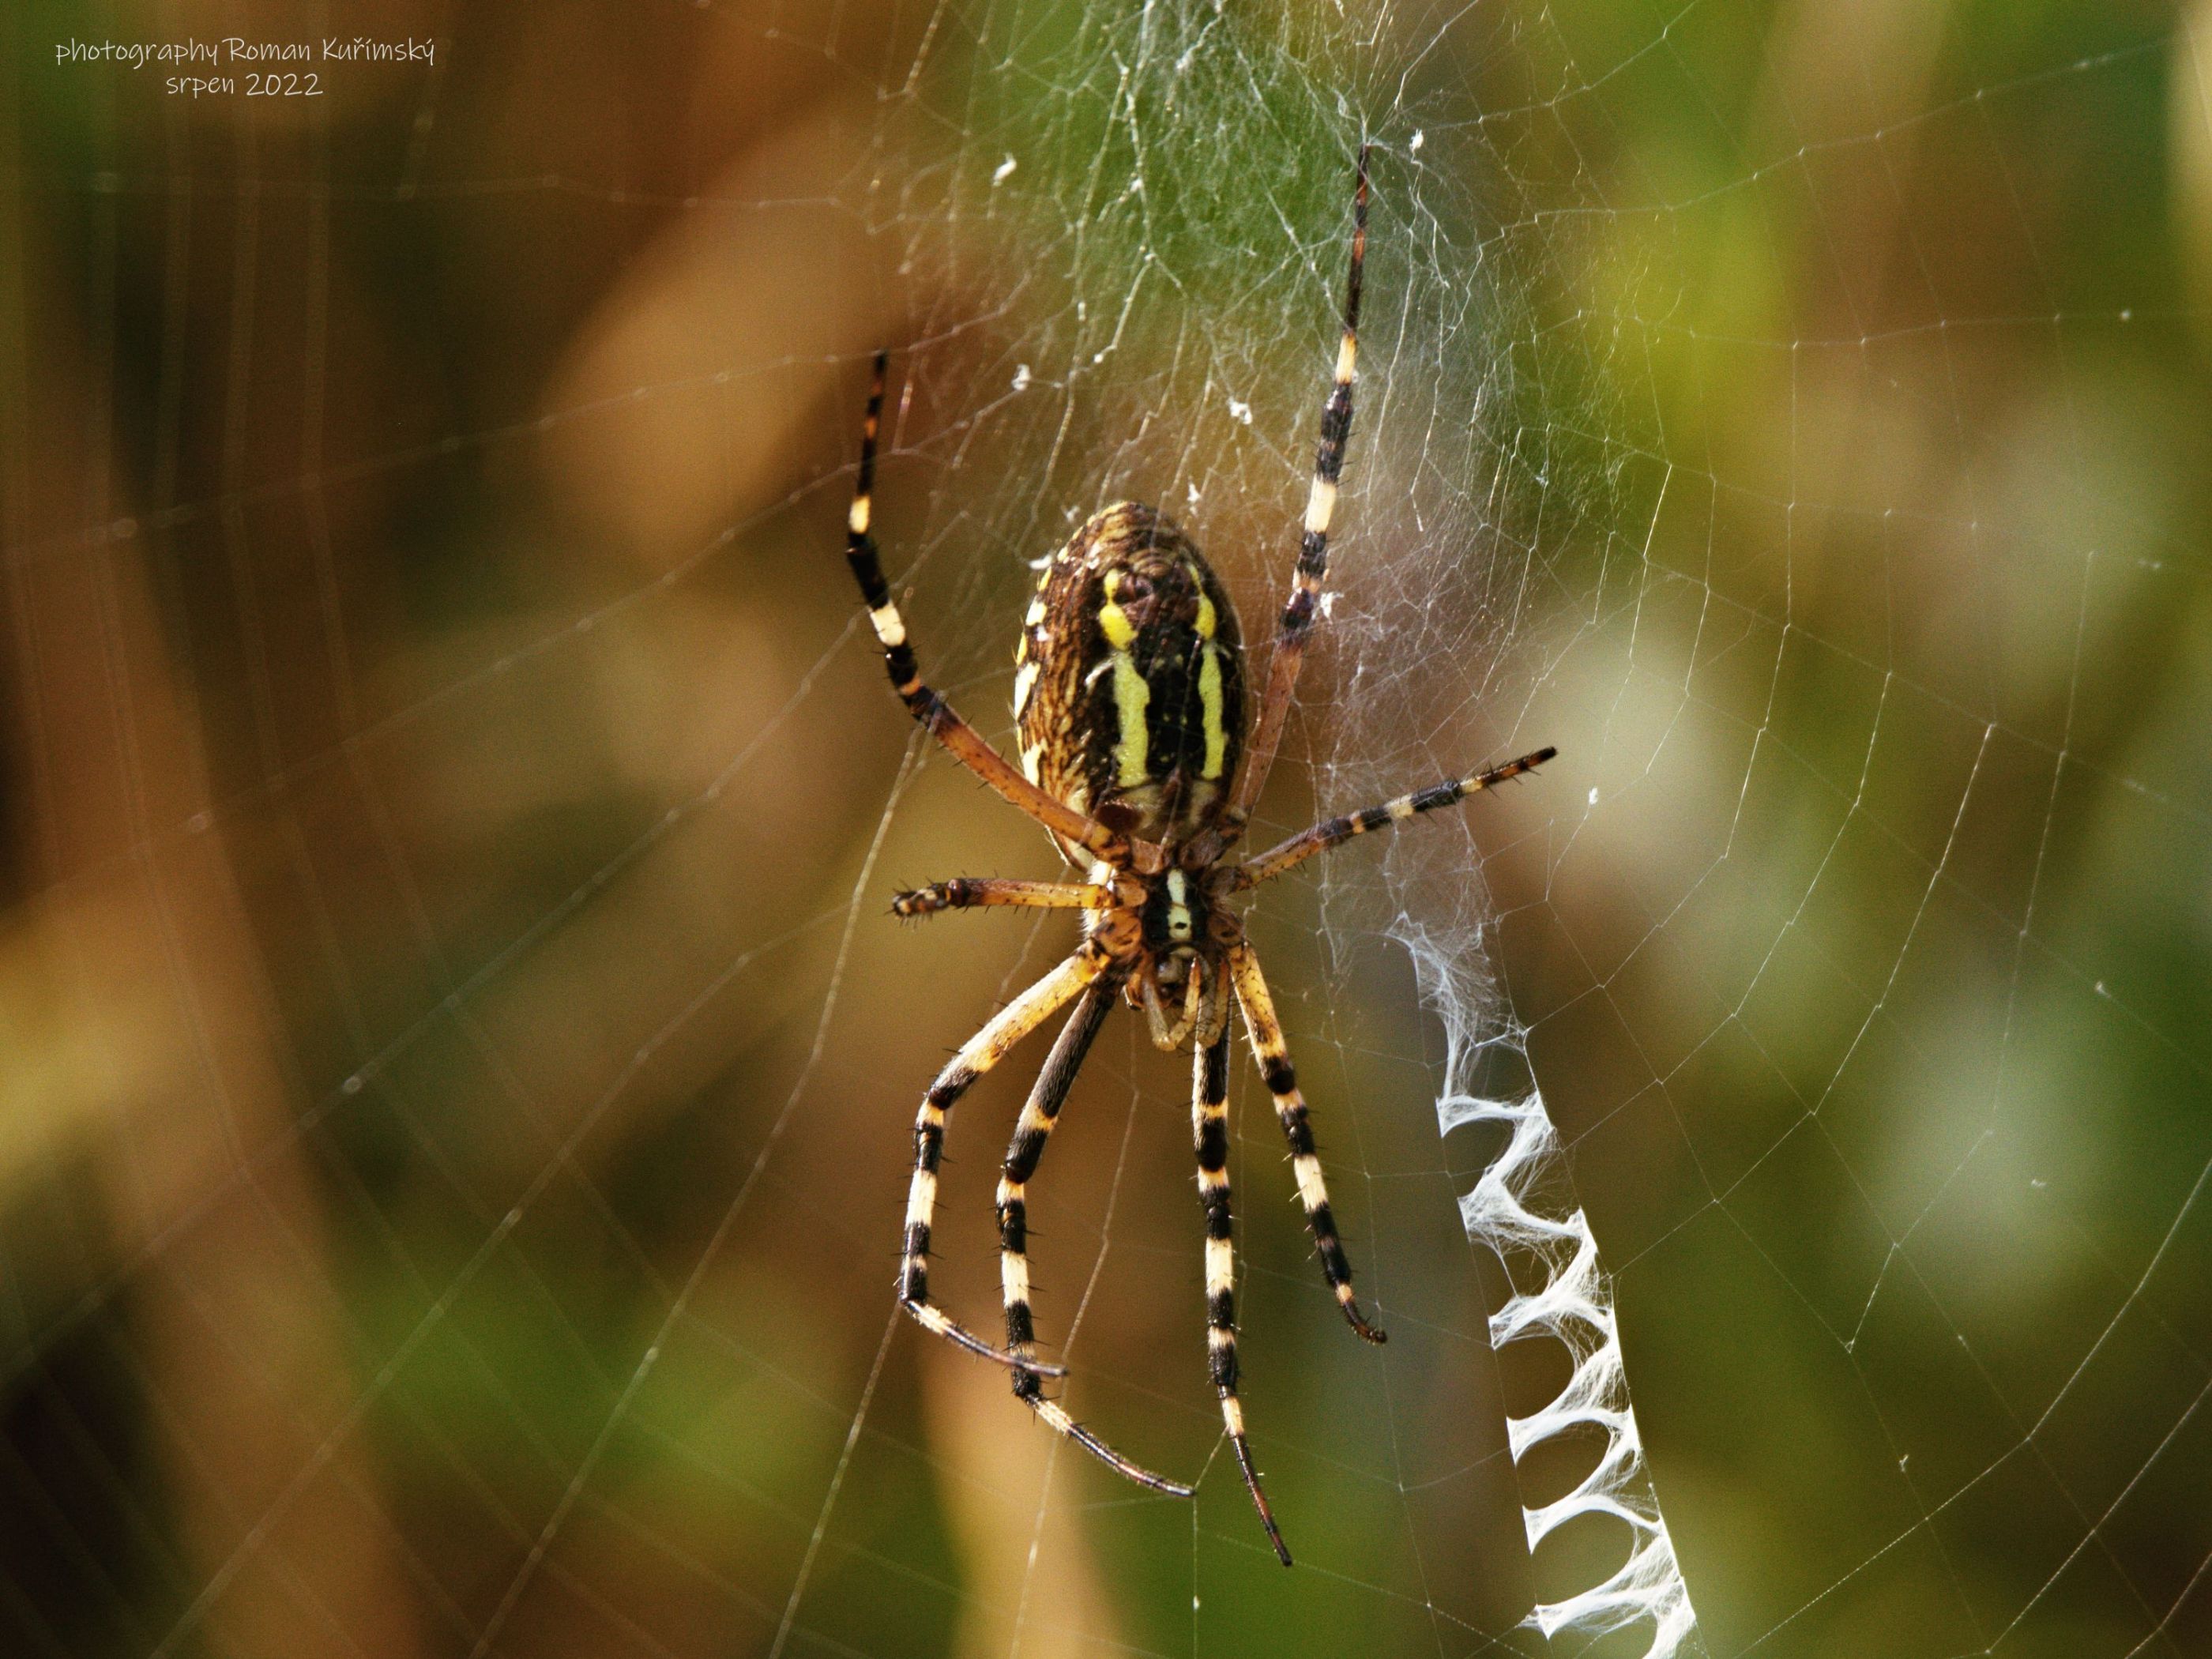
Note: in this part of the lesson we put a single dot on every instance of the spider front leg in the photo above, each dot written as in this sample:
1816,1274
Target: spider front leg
1209,1123
1300,610
1031,1131
977,1056
1268,1048
928,707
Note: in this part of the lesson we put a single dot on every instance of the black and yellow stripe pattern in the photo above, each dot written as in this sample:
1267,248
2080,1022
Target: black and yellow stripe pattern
1282,1080
1073,826
1129,678
1304,605
1334,832
977,1056
971,893
1130,694
1031,1131
1209,1123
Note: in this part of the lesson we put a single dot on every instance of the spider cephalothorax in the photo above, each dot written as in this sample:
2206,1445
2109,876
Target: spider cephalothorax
1167,938
1129,697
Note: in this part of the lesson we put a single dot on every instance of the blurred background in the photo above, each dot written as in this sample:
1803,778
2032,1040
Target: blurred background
460,1061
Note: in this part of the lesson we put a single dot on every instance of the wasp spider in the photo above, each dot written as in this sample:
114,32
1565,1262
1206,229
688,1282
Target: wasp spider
1129,698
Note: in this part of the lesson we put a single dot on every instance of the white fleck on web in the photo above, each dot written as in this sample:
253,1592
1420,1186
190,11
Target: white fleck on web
450,1182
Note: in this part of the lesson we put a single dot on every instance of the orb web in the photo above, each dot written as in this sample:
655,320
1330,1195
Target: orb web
456,1187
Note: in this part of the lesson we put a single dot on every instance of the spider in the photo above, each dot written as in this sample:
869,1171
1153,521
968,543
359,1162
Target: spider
1129,702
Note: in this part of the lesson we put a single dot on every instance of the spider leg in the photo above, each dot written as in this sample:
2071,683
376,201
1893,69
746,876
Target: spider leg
971,892
977,1056
1039,1113
1209,1122
1334,832
1031,1131
1297,618
965,743
1268,1048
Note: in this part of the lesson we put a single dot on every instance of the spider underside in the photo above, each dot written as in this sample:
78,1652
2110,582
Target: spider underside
1129,696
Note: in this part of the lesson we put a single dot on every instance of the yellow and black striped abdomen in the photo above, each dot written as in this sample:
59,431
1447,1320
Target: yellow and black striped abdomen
1129,680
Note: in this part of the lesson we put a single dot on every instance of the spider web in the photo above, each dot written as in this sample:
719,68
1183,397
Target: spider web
450,1177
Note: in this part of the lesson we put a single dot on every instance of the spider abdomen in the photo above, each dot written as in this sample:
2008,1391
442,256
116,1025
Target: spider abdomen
1129,683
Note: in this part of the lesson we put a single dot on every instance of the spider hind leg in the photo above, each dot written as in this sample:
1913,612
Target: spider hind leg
1031,1130
1055,1416
977,1056
1273,1057
1209,1115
